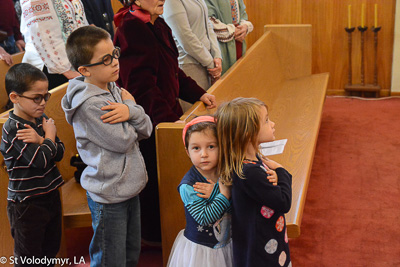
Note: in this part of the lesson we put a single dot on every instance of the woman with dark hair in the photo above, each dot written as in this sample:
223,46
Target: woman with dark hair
149,70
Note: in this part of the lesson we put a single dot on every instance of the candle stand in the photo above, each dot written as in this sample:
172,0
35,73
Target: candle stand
363,87
350,44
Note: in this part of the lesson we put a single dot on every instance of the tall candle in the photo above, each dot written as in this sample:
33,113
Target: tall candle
376,16
349,16
362,15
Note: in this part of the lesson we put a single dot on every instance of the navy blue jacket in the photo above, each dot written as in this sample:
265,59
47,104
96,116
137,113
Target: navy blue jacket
258,222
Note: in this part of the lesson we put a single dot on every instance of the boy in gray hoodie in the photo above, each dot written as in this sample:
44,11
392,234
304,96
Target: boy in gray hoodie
107,124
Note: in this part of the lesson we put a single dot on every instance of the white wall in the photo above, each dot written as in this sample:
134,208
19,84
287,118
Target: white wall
396,52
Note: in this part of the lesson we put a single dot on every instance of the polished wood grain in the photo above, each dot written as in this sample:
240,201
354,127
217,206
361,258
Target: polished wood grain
173,163
76,212
295,103
291,45
328,19
4,67
75,209
116,5
7,242
64,130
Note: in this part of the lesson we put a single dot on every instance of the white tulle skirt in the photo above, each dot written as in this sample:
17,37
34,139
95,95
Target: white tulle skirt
186,253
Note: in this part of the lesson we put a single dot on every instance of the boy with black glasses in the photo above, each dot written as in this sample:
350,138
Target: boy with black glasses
107,124
30,148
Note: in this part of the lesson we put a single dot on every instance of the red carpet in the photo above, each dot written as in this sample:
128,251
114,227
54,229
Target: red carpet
352,209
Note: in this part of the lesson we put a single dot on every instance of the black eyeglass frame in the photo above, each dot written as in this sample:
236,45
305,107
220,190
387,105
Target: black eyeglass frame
46,98
116,51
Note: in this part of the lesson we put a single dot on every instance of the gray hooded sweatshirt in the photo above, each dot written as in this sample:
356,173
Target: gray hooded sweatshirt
116,170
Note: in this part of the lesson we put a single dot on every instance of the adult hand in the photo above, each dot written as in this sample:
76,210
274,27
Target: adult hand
215,72
208,100
118,113
20,45
240,32
5,56
70,74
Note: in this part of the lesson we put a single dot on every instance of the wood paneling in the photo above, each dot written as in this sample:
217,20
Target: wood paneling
328,19
16,58
116,5
330,47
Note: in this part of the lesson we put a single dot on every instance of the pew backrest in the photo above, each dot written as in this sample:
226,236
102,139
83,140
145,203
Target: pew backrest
4,67
65,131
7,242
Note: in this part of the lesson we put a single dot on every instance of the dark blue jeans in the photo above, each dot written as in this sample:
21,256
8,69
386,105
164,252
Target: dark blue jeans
116,238
36,226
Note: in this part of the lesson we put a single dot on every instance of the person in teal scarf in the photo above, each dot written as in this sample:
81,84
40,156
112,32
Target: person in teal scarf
231,25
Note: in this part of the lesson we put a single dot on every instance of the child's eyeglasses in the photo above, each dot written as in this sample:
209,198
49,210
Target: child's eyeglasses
39,98
107,59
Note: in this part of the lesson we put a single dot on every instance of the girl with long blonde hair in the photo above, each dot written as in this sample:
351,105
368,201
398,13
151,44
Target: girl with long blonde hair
258,222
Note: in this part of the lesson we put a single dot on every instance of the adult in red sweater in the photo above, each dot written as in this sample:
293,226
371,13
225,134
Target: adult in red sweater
149,71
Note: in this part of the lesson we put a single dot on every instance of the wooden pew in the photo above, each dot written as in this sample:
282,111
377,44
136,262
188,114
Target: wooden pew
76,212
7,242
17,58
277,70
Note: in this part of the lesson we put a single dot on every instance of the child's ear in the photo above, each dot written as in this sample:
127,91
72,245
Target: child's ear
187,152
84,71
14,97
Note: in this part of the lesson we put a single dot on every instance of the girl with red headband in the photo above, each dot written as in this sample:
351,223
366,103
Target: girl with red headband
206,240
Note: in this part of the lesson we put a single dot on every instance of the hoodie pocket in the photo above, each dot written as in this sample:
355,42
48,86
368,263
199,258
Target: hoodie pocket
133,177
